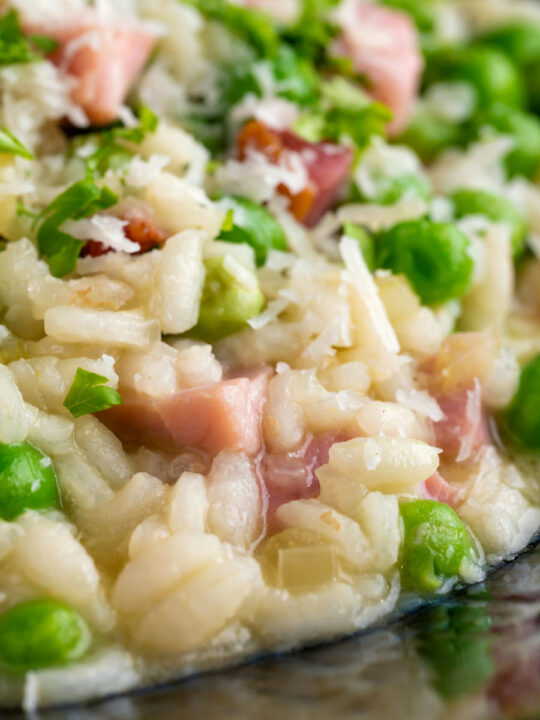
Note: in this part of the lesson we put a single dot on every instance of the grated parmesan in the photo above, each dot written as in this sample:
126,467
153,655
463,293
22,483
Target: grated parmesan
257,178
141,172
360,278
337,333
473,412
275,112
273,309
421,402
105,229
237,271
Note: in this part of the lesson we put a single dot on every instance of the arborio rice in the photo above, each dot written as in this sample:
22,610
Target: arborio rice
270,337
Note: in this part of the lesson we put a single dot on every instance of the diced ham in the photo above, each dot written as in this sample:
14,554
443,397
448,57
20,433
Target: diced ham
221,416
436,488
327,167
292,476
105,60
140,228
463,430
383,45
137,421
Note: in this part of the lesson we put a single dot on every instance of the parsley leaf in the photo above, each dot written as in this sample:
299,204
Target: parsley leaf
14,46
11,145
80,200
44,43
148,123
312,34
251,224
345,112
89,393
252,26
208,128
293,78
110,151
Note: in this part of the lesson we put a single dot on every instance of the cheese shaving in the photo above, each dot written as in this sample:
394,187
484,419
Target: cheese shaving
141,172
273,310
337,333
473,412
361,279
105,229
421,402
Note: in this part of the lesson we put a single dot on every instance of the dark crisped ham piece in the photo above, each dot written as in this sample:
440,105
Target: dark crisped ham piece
222,416
140,228
463,430
105,60
327,167
436,488
292,476
383,45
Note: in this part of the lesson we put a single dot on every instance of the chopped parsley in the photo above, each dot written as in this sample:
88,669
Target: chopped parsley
249,223
311,36
89,393
148,123
111,151
15,48
80,200
252,26
44,43
344,113
11,145
293,78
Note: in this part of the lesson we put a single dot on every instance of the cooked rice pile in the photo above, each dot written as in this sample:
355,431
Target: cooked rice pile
246,494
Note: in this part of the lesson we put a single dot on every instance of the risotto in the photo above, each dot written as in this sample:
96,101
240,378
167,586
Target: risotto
270,340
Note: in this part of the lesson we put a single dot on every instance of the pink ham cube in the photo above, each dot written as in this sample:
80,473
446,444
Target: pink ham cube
383,45
463,430
104,59
436,488
221,416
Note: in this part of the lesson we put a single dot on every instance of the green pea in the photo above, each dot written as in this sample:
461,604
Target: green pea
429,135
519,40
42,633
455,642
435,545
524,129
494,207
27,480
433,256
494,76
521,420
254,226
227,302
